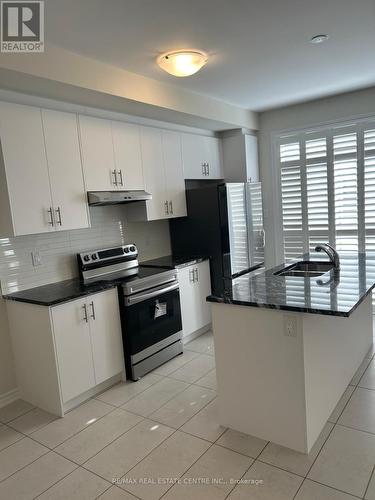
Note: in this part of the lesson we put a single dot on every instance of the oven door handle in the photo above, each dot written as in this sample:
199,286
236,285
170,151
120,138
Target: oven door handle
134,299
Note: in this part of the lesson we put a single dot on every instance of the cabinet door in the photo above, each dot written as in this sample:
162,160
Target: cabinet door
194,154
22,143
153,171
174,174
189,300
106,337
97,153
128,159
73,348
65,169
252,164
203,290
213,146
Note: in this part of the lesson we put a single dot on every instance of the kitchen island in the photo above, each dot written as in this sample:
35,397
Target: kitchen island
287,347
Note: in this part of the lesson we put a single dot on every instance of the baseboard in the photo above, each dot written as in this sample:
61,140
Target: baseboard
196,334
8,397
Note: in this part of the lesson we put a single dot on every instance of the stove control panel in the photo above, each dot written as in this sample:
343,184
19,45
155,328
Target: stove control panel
107,254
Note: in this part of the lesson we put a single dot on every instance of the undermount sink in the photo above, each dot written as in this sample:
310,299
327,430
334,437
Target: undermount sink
306,269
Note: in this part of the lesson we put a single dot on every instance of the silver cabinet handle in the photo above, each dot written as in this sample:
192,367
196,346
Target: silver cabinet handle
196,274
121,179
166,208
50,222
85,317
171,207
114,180
208,168
191,276
92,315
203,169
58,212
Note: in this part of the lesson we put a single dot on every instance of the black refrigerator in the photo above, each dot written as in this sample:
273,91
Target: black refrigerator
225,223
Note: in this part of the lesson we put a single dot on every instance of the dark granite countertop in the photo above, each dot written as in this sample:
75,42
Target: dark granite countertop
333,293
173,262
57,293
65,291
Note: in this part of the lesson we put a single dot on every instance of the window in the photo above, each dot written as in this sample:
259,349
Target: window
327,182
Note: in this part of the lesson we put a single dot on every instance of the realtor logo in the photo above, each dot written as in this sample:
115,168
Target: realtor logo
22,26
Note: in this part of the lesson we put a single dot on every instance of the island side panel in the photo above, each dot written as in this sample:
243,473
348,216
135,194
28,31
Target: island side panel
334,347
260,374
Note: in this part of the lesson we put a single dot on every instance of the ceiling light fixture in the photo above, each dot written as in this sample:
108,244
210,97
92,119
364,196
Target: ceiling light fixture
319,39
182,62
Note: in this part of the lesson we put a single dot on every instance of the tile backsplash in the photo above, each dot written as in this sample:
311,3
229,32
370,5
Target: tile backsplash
58,250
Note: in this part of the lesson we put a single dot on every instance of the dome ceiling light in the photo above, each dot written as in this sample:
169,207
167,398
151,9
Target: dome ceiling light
319,39
182,62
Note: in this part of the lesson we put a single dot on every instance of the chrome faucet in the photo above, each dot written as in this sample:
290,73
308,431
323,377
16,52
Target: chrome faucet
331,252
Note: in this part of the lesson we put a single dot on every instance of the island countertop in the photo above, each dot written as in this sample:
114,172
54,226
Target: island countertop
336,293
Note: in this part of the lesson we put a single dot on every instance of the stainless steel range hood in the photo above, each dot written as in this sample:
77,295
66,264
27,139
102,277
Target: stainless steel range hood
100,198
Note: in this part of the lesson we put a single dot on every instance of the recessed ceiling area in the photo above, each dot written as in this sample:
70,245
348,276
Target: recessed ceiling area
260,55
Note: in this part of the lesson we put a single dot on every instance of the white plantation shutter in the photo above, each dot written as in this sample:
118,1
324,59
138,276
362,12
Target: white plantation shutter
327,182
238,227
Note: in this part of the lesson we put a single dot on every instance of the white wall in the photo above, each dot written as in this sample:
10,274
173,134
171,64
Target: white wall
58,252
333,109
60,74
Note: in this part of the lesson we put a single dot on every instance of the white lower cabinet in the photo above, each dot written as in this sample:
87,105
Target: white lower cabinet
73,348
88,342
195,286
105,330
66,353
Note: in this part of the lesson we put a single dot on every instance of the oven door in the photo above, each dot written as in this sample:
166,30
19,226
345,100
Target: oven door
151,318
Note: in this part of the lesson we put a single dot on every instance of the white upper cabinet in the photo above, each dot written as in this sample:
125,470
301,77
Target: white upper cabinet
128,157
24,172
174,174
153,170
65,170
163,176
201,157
111,152
41,176
214,167
252,161
240,157
97,154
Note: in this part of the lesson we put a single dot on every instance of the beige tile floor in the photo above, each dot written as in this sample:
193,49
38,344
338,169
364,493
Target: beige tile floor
160,438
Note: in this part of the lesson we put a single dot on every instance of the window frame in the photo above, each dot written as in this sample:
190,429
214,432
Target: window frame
359,126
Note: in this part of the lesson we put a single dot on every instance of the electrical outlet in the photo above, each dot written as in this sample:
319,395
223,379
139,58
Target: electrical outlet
290,326
36,258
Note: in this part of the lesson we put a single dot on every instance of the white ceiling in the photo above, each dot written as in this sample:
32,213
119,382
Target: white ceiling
260,55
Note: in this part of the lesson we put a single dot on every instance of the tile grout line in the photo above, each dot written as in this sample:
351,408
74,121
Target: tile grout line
156,422
114,408
19,416
24,467
96,397
332,488
77,466
335,424
52,485
175,431
317,455
250,466
369,481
